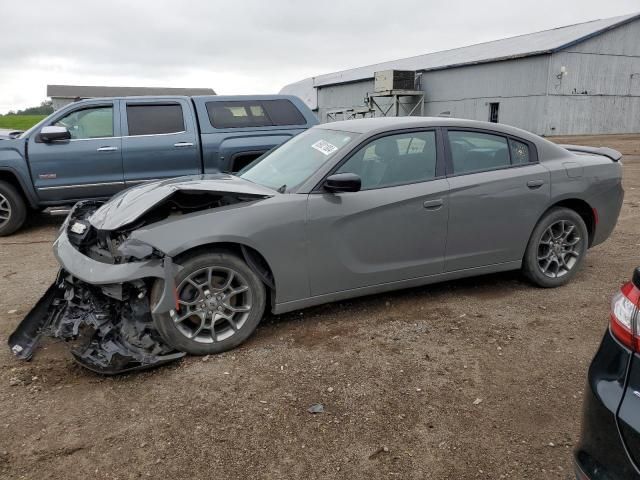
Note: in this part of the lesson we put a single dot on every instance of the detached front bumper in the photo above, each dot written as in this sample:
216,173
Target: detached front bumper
102,309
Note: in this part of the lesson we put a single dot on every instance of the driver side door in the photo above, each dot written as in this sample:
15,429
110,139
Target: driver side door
89,165
393,229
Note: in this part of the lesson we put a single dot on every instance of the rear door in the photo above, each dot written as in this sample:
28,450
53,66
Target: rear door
160,140
498,193
87,166
393,229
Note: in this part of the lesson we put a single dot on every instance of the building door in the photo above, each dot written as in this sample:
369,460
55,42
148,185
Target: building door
493,112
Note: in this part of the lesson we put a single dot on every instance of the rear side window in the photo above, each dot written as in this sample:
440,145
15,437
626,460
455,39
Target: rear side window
155,119
519,152
254,113
283,112
474,151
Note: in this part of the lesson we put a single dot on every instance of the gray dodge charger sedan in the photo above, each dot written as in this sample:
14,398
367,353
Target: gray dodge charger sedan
191,265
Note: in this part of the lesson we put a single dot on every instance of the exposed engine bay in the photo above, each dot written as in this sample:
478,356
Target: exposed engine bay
113,246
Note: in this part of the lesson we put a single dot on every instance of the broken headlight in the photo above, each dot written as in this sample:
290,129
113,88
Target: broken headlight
132,248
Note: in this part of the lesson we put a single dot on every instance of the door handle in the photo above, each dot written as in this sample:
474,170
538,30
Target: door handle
535,183
433,204
183,144
107,149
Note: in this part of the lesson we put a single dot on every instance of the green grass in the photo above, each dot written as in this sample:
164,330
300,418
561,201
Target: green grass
19,122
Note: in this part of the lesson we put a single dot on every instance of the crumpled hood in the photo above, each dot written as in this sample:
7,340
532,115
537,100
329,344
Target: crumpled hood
130,204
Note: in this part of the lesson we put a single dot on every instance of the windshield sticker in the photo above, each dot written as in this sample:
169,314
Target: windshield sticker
324,147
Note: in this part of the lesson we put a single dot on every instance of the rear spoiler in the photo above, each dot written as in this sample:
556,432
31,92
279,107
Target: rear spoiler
604,151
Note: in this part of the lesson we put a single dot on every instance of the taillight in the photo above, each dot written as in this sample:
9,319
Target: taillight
624,316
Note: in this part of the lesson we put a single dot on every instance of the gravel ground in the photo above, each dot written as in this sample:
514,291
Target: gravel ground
479,378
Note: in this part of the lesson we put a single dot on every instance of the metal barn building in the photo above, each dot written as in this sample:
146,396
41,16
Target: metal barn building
62,95
578,79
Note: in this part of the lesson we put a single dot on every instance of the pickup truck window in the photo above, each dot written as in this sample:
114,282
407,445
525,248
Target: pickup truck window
96,122
254,113
154,119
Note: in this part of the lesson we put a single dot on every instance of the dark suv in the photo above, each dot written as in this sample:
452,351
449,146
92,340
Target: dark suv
609,448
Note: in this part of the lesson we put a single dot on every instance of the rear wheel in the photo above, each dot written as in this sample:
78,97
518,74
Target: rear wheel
556,248
220,299
13,209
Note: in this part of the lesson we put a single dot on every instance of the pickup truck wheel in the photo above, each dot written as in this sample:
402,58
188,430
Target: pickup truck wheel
13,209
220,302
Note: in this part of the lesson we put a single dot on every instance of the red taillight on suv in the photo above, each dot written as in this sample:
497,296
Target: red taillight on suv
624,313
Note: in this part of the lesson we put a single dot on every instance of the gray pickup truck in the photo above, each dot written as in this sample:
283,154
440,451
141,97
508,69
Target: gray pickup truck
94,148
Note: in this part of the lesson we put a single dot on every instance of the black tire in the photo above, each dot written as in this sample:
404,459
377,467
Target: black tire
17,209
538,253
175,335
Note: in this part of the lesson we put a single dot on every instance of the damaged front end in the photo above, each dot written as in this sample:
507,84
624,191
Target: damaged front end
99,302
106,335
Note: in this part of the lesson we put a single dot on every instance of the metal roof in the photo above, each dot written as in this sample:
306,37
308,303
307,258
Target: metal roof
547,41
73,91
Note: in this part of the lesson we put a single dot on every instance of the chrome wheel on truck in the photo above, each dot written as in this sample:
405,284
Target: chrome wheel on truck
5,210
13,209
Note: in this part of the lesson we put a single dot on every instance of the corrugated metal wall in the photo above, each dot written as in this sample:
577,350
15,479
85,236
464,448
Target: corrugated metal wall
530,94
601,91
519,86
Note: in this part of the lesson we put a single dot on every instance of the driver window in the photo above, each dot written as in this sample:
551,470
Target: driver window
94,122
394,160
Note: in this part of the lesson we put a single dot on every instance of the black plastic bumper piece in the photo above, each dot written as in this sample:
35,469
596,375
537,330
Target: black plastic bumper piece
24,340
105,335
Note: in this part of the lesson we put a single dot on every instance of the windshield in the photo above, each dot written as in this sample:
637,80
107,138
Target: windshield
295,161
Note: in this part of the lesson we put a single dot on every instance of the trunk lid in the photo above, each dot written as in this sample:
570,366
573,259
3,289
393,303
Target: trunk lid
603,151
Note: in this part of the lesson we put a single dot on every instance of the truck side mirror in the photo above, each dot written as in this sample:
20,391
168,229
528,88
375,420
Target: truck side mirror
53,133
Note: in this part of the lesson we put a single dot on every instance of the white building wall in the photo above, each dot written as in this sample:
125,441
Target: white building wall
519,86
600,92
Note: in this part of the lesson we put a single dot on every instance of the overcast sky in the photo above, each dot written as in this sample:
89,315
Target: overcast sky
246,46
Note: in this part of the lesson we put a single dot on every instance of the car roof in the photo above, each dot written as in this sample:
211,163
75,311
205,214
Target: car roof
384,124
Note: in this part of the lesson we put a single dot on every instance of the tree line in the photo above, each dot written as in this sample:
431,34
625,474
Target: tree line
45,108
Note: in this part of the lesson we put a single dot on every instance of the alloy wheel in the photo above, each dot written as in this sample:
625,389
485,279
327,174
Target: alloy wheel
559,249
5,210
214,303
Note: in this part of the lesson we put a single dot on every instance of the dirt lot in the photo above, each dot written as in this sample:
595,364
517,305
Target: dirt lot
480,378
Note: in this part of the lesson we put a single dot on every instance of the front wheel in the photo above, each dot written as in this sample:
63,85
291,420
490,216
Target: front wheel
13,209
556,248
220,302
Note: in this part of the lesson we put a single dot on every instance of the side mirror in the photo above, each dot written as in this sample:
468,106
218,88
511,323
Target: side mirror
51,134
342,182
